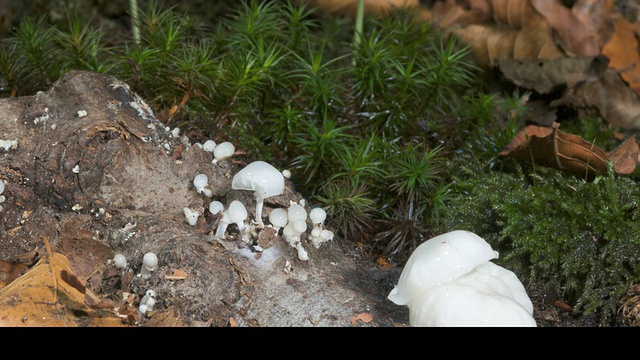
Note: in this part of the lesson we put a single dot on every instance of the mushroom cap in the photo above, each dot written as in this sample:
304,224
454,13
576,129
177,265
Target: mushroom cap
439,260
326,235
278,217
120,261
237,212
200,181
224,150
260,177
296,212
317,215
215,207
209,145
191,215
299,226
150,261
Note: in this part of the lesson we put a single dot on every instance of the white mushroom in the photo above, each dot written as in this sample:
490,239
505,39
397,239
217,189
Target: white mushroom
191,215
261,178
201,183
450,281
209,145
438,260
318,237
222,226
278,218
317,216
120,261
149,264
237,215
223,151
215,207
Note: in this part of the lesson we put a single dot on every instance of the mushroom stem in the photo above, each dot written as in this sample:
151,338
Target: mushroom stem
259,204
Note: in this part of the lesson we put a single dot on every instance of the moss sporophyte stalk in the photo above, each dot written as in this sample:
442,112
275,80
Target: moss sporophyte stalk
391,134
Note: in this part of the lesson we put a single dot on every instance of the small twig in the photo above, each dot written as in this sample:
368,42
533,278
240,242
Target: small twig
358,31
133,8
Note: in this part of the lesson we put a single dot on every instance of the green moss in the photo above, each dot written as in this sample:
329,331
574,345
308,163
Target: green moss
580,237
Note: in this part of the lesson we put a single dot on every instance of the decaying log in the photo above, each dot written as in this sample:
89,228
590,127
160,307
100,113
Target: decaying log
96,173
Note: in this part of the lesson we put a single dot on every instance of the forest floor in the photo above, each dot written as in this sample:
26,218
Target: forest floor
549,310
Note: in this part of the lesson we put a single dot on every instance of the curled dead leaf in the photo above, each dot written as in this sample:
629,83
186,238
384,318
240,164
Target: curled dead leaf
551,147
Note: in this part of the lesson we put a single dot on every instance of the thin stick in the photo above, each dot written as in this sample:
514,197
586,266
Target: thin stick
358,30
133,8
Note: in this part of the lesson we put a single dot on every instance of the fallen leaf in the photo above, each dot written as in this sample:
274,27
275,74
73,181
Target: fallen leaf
166,318
384,264
489,43
625,157
371,7
177,274
364,317
9,271
544,76
51,295
449,13
608,97
574,37
596,17
551,147
562,306
622,49
517,14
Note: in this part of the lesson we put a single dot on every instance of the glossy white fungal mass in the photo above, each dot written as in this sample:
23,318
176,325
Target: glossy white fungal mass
450,281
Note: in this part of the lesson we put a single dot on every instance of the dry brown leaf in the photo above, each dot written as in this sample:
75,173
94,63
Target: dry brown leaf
596,17
364,317
551,147
544,76
166,318
384,264
562,306
574,37
622,50
50,295
625,157
489,44
608,97
517,14
371,7
449,13
233,322
176,274
9,271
